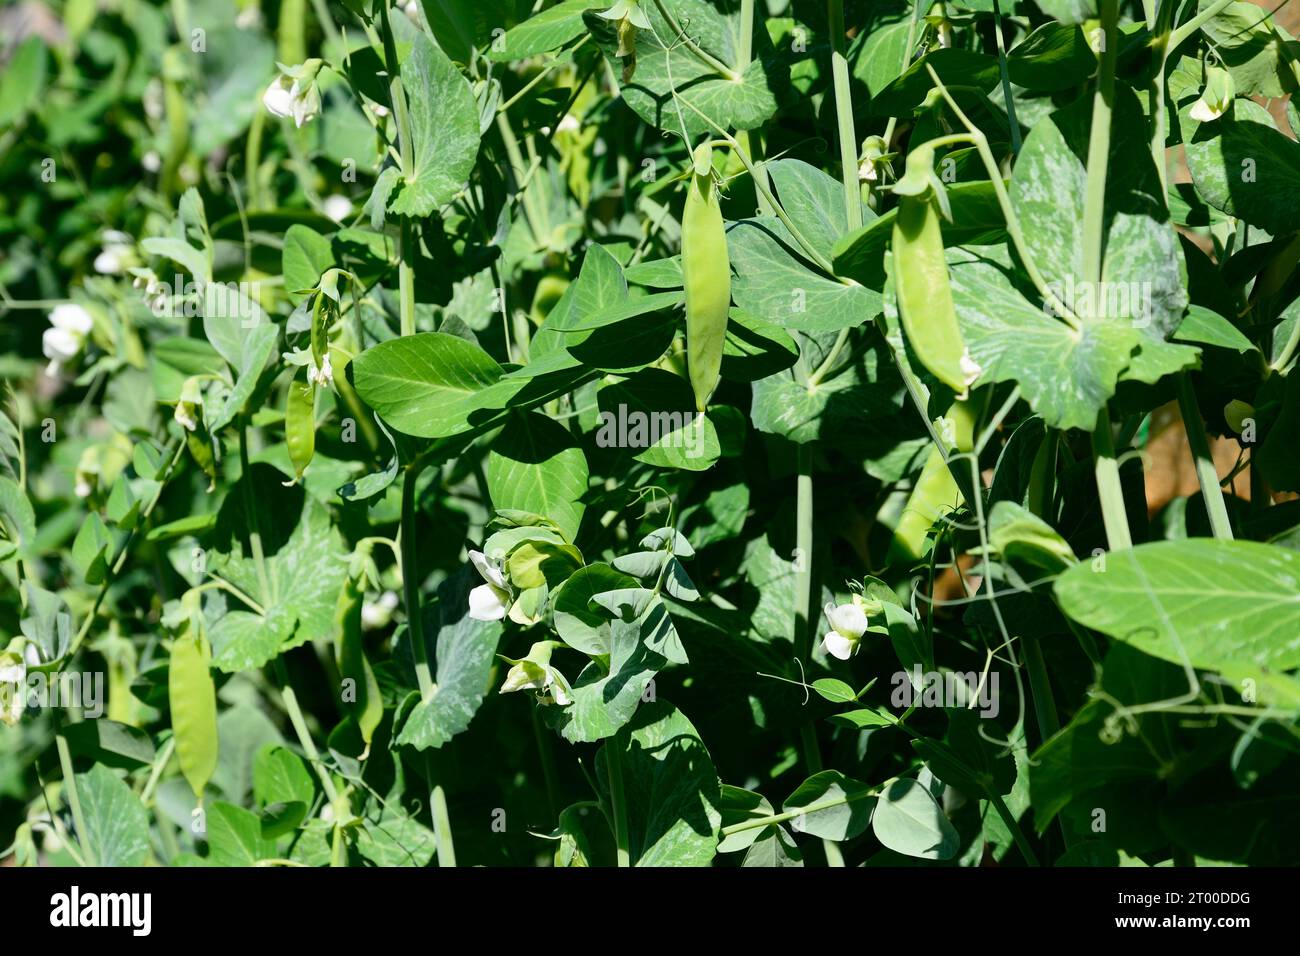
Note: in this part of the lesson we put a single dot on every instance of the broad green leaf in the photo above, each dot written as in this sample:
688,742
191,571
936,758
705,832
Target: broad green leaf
543,32
832,806
428,385
956,67
663,63
465,649
110,743
1206,327
281,776
1242,165
307,256
605,699
1021,536
1056,56
651,414
670,788
235,836
908,820
23,81
1210,603
579,625
396,839
536,465
1142,279
444,131
116,824
1066,376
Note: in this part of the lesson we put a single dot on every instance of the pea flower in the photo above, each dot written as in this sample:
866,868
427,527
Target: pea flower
377,614
187,408
848,624
293,93
488,602
13,678
337,207
64,339
1216,98
113,259
323,375
535,672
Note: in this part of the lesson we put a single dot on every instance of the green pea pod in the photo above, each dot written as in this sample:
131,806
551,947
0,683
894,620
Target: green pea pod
300,424
935,491
924,295
706,270
192,697
361,699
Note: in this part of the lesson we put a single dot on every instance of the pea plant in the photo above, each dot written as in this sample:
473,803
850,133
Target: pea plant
649,432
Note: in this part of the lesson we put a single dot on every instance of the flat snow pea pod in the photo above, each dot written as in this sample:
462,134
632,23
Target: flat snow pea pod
921,278
300,424
360,693
192,697
706,271
935,491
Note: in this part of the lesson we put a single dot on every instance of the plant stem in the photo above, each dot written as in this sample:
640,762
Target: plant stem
801,639
1195,23
411,584
844,116
787,815
614,763
561,59
442,829
1109,488
1094,201
1022,844
1206,473
250,510
300,729
74,800
1007,96
406,277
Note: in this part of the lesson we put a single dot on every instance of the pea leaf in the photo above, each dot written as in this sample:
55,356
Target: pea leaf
1214,604
832,806
908,820
116,824
444,131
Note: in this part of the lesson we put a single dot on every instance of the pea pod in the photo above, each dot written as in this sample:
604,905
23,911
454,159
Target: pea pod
300,424
192,697
706,271
935,491
921,277
361,699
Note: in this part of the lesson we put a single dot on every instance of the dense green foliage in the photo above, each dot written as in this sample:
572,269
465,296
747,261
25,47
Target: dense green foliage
678,432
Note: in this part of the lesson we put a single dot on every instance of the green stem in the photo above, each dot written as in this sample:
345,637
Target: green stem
1023,844
1206,473
1094,201
1195,23
74,800
614,763
442,829
406,277
562,59
1109,488
1007,96
787,815
250,510
844,116
801,639
290,33
411,585
300,729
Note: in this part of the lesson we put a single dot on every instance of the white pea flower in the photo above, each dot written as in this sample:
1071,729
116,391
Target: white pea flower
13,678
116,254
293,93
321,376
1216,99
535,672
848,624
377,614
64,339
338,207
488,602
151,161
186,411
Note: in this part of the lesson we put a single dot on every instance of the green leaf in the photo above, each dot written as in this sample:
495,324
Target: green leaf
1056,56
110,743
465,649
117,828
536,465
307,256
833,806
281,776
1143,284
579,626
671,790
235,836
908,820
1242,165
1207,327
542,33
1210,603
444,131
651,414
23,81
850,402
605,699
428,385
664,63
834,690
862,718
92,549
1020,536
